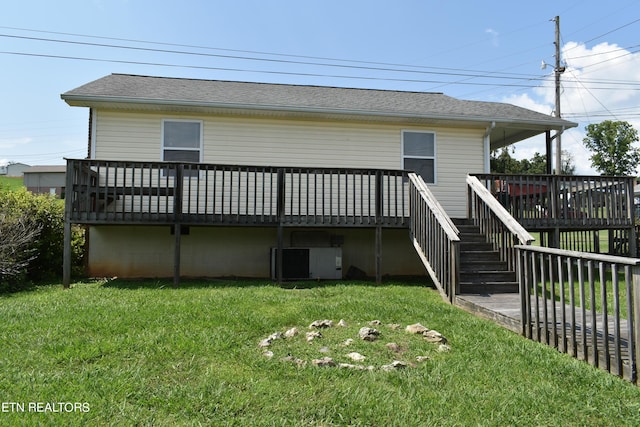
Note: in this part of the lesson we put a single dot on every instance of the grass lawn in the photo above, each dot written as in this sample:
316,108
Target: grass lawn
11,182
144,353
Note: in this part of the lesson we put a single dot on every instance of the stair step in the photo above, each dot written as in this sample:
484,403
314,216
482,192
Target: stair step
472,237
475,246
473,255
470,266
487,276
489,288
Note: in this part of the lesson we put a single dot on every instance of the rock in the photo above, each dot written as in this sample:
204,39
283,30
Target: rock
295,360
394,326
264,343
348,342
342,323
443,348
393,347
291,333
396,364
268,354
324,350
356,357
326,323
368,334
375,323
313,335
434,336
325,361
422,358
275,336
356,367
416,328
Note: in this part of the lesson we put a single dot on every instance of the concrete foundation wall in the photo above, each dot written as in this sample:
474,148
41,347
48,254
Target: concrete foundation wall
148,251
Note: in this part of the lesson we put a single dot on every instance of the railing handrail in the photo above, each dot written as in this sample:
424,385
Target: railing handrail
503,215
445,221
613,259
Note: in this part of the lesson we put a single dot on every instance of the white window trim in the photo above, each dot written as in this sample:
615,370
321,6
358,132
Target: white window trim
201,142
435,152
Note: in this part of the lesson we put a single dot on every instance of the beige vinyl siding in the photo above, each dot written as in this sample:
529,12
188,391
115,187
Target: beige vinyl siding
285,142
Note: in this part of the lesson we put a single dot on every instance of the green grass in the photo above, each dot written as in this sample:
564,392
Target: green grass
144,353
11,183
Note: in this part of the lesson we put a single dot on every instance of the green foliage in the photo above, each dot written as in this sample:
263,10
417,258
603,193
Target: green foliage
36,224
611,143
145,353
502,162
11,183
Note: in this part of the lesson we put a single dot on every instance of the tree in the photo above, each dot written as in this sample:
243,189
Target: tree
502,162
611,143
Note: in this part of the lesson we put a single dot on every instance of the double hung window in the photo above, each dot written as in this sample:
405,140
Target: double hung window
181,141
419,154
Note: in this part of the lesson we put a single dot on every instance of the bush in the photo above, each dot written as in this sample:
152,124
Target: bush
31,239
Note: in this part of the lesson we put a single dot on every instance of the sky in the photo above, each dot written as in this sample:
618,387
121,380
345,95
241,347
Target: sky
487,51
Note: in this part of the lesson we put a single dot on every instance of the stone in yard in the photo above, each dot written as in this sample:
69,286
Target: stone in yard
396,364
342,323
291,333
368,334
325,361
324,350
348,342
443,348
394,326
422,358
295,360
326,323
268,354
356,367
275,336
313,335
356,357
264,343
416,328
375,323
434,336
393,347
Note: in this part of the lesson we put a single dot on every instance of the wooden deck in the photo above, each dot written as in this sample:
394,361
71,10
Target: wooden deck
574,338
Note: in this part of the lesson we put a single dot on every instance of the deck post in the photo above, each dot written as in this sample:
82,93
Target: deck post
280,211
177,213
635,358
68,206
378,238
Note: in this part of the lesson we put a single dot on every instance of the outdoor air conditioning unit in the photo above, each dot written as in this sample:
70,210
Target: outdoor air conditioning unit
308,263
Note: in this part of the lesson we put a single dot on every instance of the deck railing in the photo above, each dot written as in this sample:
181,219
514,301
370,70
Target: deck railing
435,238
583,304
548,201
103,191
495,222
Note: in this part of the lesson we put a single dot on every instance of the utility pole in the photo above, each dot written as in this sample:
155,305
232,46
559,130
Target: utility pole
558,69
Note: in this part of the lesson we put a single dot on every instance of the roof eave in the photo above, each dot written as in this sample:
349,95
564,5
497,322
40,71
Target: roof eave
113,102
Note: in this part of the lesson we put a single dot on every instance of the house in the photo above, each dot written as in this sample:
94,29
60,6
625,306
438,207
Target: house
46,179
204,178
13,169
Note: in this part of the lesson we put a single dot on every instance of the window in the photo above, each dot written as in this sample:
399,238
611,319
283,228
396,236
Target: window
181,141
419,154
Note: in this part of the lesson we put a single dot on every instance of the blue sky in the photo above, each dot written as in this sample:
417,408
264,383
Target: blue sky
489,51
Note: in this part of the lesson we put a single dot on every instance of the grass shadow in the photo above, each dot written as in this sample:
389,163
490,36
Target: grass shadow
234,282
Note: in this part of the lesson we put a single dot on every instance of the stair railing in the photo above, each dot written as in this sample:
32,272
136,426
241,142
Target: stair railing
434,237
502,230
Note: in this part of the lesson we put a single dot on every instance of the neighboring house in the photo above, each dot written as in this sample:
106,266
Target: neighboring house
45,180
13,169
350,140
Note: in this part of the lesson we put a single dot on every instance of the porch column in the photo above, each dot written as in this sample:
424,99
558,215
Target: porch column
177,213
68,206
378,244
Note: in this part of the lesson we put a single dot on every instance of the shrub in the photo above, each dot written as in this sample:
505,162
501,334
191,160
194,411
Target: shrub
32,237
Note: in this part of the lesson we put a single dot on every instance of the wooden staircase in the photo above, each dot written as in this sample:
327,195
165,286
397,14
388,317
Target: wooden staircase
481,270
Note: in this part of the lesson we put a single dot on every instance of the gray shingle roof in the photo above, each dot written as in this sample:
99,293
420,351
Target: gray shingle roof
126,91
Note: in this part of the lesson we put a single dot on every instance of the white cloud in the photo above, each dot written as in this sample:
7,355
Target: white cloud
495,36
12,143
598,84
